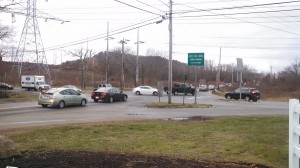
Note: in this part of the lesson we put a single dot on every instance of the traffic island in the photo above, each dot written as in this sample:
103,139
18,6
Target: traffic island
177,105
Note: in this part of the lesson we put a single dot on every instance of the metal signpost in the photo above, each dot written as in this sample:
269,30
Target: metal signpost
195,59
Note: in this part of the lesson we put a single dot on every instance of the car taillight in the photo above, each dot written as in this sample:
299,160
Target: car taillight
93,93
103,94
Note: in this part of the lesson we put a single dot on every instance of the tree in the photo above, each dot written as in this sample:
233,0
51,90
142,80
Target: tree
83,56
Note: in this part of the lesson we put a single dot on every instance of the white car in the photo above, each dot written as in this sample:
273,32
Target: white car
145,90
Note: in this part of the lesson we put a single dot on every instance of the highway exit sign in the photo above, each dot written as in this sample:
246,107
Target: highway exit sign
195,59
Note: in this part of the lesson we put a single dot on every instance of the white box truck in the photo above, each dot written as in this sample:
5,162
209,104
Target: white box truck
34,82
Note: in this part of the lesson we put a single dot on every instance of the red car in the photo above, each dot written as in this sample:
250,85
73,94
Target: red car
109,94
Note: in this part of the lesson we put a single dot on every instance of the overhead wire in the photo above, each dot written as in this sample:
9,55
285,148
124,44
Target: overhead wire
150,6
137,8
104,35
227,15
230,8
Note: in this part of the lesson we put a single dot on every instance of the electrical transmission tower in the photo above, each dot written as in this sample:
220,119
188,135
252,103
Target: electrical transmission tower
30,54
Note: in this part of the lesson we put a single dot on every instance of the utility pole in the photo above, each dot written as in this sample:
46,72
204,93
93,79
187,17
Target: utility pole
219,70
122,62
170,53
107,58
271,74
137,59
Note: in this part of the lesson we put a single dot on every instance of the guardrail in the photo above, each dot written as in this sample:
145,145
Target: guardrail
294,133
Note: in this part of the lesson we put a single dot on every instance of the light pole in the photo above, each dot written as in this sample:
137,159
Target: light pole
122,62
137,59
107,58
170,53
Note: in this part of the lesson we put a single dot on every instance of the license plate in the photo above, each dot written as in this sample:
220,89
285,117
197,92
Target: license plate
45,97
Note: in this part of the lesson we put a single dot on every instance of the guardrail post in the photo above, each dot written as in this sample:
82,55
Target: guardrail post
293,138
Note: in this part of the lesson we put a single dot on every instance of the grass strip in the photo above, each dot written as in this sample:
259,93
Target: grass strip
261,140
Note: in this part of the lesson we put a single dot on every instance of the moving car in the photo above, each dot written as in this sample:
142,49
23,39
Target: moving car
109,94
246,93
61,97
181,88
145,90
73,87
6,86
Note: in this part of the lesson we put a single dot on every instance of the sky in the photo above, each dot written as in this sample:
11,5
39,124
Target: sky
265,34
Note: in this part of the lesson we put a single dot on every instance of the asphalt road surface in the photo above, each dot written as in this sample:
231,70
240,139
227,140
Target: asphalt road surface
17,115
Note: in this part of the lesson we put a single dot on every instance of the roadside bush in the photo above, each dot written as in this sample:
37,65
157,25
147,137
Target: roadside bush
3,95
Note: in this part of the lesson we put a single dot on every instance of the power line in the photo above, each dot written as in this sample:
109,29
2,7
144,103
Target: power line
226,15
150,6
229,8
137,8
126,29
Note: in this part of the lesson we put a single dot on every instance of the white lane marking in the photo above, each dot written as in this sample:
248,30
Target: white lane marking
30,122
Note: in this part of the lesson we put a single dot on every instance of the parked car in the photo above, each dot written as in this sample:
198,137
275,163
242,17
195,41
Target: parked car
203,88
101,85
145,90
246,93
61,97
211,87
109,94
72,87
6,86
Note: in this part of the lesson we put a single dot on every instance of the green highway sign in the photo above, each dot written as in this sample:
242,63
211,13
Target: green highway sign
195,59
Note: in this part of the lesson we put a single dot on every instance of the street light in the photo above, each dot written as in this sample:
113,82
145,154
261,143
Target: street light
137,59
107,59
122,62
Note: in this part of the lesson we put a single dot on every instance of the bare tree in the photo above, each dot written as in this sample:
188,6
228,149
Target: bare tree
83,55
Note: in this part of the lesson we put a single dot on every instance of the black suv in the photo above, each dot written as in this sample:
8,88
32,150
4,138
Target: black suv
181,88
247,94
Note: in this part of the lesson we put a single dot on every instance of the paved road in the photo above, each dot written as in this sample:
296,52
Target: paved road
16,115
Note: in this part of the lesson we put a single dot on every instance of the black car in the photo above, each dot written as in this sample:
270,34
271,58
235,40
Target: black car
6,86
109,94
246,93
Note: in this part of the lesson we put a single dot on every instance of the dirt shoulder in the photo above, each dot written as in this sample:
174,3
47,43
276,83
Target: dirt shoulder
64,159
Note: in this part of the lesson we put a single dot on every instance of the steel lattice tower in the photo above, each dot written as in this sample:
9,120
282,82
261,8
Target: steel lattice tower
30,53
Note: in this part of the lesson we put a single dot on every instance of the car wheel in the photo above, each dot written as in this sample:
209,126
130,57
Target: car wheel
154,93
40,89
96,100
83,102
255,100
111,99
124,98
137,93
247,98
61,104
44,105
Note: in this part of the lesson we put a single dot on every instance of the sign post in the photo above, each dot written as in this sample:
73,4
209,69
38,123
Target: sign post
196,59
239,68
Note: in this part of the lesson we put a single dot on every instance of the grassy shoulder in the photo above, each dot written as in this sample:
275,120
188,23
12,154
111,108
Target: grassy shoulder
261,140
16,97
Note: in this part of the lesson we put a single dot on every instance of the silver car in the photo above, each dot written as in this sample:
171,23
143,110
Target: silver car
61,97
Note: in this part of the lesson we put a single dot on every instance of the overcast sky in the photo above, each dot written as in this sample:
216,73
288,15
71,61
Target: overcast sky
263,33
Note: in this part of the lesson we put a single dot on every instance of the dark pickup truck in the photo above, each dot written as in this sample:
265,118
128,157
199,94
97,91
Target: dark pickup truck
181,88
